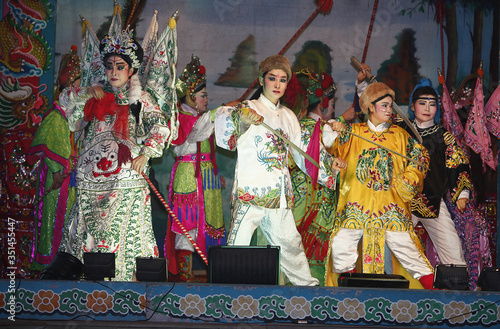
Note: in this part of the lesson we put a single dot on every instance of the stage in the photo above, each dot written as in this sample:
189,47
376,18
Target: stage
86,304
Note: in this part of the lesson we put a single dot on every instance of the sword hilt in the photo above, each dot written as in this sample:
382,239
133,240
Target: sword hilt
357,65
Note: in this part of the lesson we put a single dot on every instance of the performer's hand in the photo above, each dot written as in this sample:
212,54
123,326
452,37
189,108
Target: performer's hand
96,91
349,114
362,73
337,126
250,117
461,204
57,181
339,164
223,182
139,163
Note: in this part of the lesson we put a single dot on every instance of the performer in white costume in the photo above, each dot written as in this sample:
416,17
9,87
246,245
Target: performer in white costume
262,194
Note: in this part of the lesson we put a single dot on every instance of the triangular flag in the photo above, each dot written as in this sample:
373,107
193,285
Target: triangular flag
492,112
451,120
476,133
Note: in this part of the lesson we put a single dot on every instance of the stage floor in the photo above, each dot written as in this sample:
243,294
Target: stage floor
105,304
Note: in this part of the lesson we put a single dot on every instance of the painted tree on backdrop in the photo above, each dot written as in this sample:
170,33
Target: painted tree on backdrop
400,71
446,14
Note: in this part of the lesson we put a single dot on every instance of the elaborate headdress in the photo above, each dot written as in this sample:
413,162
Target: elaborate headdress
428,84
155,73
320,87
307,88
122,44
69,71
192,78
373,93
275,62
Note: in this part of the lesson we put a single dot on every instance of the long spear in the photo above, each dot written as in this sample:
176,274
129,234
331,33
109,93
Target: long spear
171,213
324,6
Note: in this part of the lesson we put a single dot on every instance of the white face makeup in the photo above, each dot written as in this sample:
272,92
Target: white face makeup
381,111
274,84
425,108
117,71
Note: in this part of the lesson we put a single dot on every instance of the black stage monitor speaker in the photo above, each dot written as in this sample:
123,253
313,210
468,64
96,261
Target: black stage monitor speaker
64,266
489,279
244,265
369,280
151,269
99,265
451,277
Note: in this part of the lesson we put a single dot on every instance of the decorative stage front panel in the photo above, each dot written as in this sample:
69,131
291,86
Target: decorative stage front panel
210,303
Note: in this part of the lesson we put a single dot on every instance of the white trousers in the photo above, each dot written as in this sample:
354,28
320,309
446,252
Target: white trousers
278,226
345,251
444,236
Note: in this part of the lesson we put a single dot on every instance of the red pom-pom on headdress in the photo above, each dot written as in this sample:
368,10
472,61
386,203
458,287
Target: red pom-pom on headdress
294,94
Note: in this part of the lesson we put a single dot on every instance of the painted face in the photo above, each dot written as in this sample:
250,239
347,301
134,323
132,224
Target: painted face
274,84
381,111
117,71
200,102
425,107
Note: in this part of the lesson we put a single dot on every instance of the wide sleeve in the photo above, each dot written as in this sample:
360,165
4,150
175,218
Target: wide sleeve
328,134
410,181
228,126
302,137
72,101
457,168
52,141
202,129
153,128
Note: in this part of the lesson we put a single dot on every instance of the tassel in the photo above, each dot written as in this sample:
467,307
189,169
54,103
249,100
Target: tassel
295,96
99,108
124,154
325,6
198,159
211,139
121,122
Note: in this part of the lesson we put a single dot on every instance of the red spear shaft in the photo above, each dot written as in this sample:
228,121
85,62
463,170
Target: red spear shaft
171,213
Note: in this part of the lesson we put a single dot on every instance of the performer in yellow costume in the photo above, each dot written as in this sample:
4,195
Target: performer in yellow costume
375,193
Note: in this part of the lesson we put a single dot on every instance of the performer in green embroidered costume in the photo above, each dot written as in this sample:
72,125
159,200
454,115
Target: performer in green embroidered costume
195,187
315,205
56,193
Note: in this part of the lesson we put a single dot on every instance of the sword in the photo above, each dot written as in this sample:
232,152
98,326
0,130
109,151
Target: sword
287,141
423,165
357,65
345,131
241,107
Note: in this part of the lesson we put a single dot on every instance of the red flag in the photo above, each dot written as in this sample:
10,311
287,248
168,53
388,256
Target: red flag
492,112
476,133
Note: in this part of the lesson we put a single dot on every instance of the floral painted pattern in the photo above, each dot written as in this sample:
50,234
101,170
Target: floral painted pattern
232,304
46,301
99,301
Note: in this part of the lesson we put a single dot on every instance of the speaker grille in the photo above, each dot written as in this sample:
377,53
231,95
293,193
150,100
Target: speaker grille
243,265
